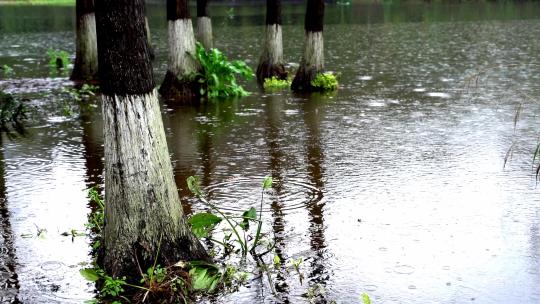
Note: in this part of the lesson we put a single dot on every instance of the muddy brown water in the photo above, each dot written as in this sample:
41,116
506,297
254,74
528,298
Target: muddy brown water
393,186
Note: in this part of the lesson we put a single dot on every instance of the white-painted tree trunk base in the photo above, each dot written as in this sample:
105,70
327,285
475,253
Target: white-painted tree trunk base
273,45
181,45
204,32
314,51
86,58
142,202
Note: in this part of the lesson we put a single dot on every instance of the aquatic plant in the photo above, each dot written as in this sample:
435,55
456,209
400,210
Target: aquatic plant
218,75
6,70
325,82
275,83
58,59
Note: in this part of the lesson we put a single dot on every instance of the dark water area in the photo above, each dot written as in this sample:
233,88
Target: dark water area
394,185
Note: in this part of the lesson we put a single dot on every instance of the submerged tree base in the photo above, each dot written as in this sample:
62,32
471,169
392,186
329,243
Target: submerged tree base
303,79
179,90
267,70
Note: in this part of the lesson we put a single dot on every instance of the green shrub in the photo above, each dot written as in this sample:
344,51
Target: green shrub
275,83
325,82
58,59
218,75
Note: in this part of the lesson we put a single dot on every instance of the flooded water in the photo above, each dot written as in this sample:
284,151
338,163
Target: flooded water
393,186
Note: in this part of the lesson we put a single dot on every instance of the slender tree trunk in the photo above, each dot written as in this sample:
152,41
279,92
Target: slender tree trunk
86,57
312,62
143,214
178,85
204,25
271,61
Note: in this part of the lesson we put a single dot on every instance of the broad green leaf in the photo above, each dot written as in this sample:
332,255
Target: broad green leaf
248,215
277,260
202,223
90,274
267,183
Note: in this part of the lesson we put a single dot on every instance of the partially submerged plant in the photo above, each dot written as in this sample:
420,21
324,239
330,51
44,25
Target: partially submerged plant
275,83
6,70
325,82
58,59
218,75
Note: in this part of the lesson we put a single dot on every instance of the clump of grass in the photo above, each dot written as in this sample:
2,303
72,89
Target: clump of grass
6,70
274,84
325,82
58,59
218,75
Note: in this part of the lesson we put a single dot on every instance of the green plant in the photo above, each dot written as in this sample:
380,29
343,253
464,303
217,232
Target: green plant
275,83
325,82
96,219
203,223
218,75
365,298
58,59
7,70
78,94
296,265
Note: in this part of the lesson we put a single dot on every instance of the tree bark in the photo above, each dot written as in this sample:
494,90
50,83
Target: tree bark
143,214
179,85
204,25
271,60
312,62
86,60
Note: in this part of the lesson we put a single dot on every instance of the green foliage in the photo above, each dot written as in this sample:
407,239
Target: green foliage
202,223
325,82
78,94
365,298
218,76
96,219
275,84
58,59
204,276
6,70
110,287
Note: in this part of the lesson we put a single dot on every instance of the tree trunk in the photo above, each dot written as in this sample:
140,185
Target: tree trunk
204,25
86,60
143,214
149,39
271,61
178,83
312,62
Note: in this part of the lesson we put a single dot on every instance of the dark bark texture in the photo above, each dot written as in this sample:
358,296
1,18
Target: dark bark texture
202,8
175,89
177,9
124,58
273,12
268,70
302,79
83,7
314,16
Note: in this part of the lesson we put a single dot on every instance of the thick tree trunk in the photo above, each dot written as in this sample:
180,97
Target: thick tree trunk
204,25
312,62
86,57
143,214
271,61
149,39
179,83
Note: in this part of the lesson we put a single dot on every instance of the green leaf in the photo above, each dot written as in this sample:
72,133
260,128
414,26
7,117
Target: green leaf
202,223
267,183
365,298
90,274
194,186
277,260
248,215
